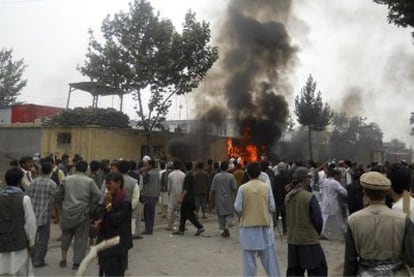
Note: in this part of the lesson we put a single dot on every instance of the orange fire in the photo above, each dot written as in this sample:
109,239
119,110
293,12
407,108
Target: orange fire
246,151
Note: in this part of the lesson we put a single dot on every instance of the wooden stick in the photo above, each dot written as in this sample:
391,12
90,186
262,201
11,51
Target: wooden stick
93,253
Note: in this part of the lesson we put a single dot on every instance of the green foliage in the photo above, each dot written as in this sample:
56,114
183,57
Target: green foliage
352,137
88,116
401,12
309,108
143,52
10,77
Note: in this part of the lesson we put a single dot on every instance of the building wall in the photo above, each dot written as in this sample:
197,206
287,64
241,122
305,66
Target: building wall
111,143
5,114
18,141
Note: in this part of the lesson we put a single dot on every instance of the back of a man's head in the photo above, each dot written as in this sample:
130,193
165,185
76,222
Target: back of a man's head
81,166
253,170
46,168
400,177
123,166
13,177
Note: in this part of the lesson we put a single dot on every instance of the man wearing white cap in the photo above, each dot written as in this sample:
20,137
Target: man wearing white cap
379,240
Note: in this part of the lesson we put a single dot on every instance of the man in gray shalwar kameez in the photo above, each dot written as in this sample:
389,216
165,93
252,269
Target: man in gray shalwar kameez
222,188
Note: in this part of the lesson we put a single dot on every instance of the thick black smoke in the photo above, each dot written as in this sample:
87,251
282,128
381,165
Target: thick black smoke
256,58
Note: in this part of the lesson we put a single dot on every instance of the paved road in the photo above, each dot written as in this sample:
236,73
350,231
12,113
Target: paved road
207,255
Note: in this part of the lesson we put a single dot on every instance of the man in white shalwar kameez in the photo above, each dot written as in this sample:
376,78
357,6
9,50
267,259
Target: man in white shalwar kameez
18,228
332,214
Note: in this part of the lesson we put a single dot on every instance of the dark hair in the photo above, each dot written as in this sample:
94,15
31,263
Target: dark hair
400,177
47,159
14,163
375,195
177,164
46,167
348,163
65,157
264,165
224,165
151,163
123,166
188,166
200,165
81,166
140,163
25,159
216,165
116,177
333,172
94,165
253,169
132,165
162,164
13,177
209,161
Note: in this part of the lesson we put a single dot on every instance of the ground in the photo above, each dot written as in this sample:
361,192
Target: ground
187,255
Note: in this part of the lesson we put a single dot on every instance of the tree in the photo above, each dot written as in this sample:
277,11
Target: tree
401,12
310,110
10,77
143,53
354,139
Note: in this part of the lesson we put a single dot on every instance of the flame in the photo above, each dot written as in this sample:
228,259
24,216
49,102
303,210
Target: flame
246,151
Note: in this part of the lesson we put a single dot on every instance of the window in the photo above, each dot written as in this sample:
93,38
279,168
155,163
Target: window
64,138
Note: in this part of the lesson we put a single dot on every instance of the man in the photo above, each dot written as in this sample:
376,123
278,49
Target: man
281,180
164,172
334,225
175,188
400,177
187,203
116,222
238,174
77,194
378,240
304,224
26,165
221,194
131,190
41,192
17,227
254,203
201,189
150,193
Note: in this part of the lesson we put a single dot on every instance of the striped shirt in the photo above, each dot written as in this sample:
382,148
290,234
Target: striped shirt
41,192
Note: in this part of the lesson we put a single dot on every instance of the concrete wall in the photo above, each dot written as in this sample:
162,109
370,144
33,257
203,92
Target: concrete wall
17,141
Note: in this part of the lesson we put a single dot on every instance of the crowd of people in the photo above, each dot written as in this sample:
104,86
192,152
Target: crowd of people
370,208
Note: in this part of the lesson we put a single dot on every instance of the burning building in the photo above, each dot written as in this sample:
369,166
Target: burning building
252,74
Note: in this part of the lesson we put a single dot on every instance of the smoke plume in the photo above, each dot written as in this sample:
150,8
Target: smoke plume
256,56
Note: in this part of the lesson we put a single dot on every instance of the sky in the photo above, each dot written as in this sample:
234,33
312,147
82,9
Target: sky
362,64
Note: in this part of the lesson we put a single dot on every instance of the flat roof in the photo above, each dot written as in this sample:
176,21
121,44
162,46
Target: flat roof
95,88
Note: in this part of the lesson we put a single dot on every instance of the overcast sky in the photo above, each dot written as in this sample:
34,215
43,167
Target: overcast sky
355,56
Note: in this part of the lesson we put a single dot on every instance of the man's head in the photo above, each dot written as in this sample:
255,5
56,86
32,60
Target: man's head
94,165
163,165
46,168
26,162
81,166
253,170
13,177
400,177
188,166
151,164
224,166
114,182
177,165
123,166
200,165
375,184
301,176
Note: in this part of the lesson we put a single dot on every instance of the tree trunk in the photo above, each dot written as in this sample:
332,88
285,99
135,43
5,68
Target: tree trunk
150,145
310,143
